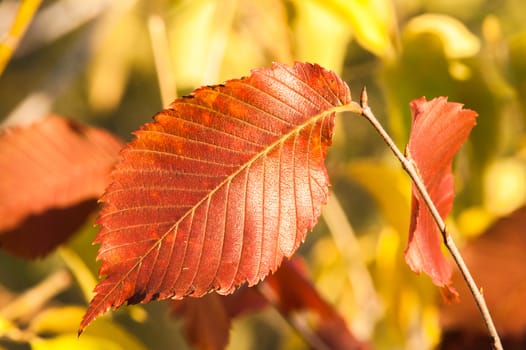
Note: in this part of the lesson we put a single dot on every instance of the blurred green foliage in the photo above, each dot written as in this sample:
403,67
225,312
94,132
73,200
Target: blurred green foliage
93,61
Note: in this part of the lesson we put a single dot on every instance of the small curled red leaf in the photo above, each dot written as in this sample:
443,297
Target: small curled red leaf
439,129
219,189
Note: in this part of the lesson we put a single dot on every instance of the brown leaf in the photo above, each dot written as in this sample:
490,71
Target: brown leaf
222,186
207,320
497,260
206,324
52,173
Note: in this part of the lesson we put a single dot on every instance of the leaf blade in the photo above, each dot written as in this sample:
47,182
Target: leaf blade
439,129
242,220
53,172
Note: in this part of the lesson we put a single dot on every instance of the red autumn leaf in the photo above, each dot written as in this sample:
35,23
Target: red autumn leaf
496,259
222,186
52,174
293,292
206,323
243,301
207,320
439,129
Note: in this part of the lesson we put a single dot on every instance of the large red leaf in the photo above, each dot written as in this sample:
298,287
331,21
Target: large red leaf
222,186
439,129
52,173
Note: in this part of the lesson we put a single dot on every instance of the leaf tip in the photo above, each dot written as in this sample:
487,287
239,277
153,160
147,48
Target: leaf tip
449,294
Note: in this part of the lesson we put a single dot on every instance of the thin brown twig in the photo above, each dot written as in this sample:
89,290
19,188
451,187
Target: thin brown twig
448,240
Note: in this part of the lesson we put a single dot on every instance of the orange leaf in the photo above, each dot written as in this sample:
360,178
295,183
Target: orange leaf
52,173
497,259
207,320
293,292
222,186
439,129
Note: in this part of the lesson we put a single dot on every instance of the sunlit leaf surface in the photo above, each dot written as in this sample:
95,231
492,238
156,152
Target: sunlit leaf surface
219,189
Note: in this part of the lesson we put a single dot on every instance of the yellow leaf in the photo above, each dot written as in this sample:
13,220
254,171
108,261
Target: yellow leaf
473,221
57,320
64,321
189,32
70,341
320,35
390,188
458,41
505,186
212,41
117,43
83,275
259,47
371,20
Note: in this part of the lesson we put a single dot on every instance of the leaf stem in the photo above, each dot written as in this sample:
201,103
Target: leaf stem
448,240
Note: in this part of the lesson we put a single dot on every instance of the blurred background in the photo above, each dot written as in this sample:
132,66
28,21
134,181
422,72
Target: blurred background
114,64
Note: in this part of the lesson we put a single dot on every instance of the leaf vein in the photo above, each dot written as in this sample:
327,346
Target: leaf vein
226,115
199,142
